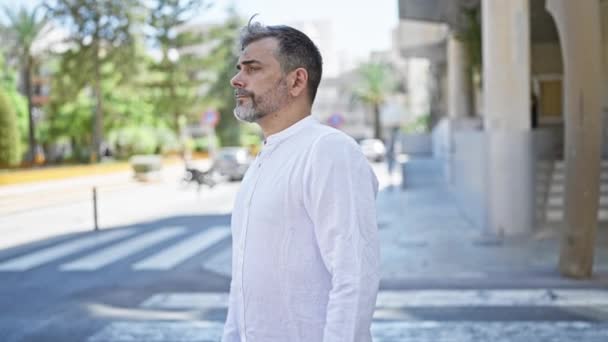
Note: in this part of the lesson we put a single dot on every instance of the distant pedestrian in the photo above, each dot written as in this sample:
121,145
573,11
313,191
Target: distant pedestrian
305,265
392,151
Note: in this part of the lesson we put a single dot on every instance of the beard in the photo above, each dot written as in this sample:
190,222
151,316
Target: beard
255,107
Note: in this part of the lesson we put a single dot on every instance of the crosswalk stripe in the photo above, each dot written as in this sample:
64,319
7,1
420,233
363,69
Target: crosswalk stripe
49,254
515,331
409,331
184,250
111,254
417,298
518,297
187,300
191,331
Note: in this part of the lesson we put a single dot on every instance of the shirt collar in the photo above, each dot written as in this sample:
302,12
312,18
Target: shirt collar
289,131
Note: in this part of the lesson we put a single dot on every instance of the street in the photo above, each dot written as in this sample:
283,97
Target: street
159,270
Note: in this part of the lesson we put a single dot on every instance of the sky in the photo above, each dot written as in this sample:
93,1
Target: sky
358,26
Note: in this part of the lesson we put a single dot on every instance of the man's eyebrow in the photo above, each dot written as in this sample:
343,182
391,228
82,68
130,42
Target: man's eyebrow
247,62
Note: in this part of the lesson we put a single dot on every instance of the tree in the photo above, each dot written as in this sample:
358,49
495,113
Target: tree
25,28
100,32
175,78
223,60
373,87
8,83
10,149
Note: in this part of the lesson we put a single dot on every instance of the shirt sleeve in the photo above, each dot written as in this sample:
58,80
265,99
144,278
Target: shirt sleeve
341,201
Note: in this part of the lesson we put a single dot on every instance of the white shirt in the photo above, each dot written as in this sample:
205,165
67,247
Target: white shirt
305,262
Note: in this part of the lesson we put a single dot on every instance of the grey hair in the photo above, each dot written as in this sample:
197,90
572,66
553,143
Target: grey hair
295,50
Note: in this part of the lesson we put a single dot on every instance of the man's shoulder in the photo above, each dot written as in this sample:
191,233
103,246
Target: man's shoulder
325,135
325,142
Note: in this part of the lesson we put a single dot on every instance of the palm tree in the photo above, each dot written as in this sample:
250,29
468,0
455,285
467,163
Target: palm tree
375,84
25,28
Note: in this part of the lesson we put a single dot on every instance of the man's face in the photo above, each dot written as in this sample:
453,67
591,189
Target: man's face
260,86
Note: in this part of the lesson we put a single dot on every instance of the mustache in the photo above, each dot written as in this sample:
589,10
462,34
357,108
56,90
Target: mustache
242,92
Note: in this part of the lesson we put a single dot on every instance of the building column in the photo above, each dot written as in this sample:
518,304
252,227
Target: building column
578,24
459,84
506,110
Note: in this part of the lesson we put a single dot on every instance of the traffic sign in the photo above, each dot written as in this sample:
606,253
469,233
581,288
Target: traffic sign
210,118
335,120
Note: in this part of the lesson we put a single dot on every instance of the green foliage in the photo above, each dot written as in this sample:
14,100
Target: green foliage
250,139
8,83
251,135
166,140
132,140
100,32
202,144
470,35
420,124
223,59
10,141
25,29
71,120
71,110
375,84
175,78
108,72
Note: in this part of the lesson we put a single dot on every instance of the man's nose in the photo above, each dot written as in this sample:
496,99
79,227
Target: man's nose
236,81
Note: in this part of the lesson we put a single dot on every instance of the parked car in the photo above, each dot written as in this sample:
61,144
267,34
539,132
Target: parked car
373,149
232,162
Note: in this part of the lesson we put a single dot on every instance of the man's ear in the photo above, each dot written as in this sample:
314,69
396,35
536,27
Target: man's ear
298,81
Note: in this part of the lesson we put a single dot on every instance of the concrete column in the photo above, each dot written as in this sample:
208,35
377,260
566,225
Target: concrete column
459,84
604,24
506,92
578,24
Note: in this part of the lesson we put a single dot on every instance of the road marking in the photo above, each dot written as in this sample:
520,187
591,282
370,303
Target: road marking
220,262
519,297
416,331
111,254
49,254
187,300
184,250
409,330
190,331
427,331
417,298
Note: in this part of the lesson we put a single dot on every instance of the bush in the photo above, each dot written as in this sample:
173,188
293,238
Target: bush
250,139
144,165
418,125
10,139
202,144
130,141
166,140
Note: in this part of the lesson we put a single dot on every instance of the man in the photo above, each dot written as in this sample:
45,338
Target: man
305,265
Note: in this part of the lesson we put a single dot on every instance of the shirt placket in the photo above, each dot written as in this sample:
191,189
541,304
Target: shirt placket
243,242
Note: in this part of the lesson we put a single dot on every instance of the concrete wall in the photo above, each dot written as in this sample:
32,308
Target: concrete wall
546,58
469,171
417,144
548,142
468,168
604,23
